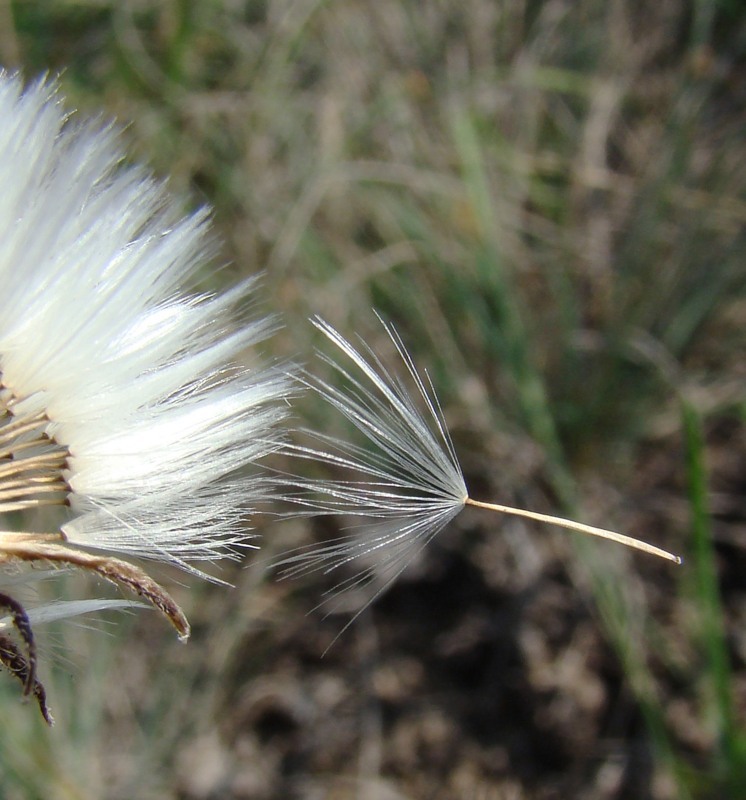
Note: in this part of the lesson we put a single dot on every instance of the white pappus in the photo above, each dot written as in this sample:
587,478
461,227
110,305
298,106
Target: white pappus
408,483
125,401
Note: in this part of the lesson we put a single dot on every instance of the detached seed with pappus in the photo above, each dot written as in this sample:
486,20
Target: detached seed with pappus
408,485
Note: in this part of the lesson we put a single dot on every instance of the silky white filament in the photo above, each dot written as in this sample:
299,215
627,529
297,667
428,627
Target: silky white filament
127,403
138,380
408,483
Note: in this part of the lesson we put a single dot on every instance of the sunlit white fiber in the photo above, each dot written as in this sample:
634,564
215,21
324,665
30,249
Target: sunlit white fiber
100,333
127,404
66,609
409,483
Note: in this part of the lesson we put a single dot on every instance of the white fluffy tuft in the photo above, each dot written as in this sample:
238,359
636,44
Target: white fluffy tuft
408,483
142,379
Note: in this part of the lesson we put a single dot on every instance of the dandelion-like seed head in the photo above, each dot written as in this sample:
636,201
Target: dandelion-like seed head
126,404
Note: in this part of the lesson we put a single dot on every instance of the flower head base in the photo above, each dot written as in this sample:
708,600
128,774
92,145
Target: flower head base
123,400
411,485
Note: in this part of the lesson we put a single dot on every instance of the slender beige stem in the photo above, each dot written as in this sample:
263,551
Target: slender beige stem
45,483
51,461
18,425
23,491
578,526
37,502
